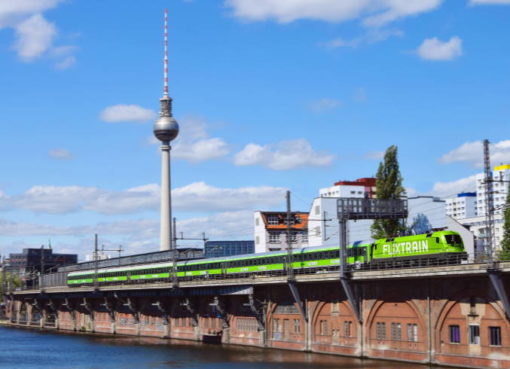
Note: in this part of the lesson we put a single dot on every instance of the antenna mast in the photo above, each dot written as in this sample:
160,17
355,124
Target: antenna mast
165,60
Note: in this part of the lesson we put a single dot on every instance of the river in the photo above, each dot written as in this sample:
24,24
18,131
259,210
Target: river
30,349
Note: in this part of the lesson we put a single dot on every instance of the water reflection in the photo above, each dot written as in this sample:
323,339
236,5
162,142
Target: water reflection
29,349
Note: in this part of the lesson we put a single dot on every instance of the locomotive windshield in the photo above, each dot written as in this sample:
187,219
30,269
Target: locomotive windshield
453,239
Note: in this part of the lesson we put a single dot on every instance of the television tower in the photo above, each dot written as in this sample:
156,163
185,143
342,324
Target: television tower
166,129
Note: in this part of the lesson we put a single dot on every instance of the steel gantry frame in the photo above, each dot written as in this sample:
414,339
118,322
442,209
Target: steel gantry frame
358,209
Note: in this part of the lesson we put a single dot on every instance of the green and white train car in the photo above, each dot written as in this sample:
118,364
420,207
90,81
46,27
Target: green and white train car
438,246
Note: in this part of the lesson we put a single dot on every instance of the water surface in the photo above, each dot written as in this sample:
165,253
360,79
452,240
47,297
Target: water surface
30,349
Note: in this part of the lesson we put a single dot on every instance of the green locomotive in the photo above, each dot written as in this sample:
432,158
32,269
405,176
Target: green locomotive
438,247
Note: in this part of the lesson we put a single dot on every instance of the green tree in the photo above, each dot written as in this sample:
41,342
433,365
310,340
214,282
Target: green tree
504,254
11,280
389,186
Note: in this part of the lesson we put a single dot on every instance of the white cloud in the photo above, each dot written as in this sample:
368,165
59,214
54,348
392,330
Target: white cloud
472,153
34,36
447,189
437,50
197,196
195,145
67,62
374,155
127,113
60,154
325,104
372,36
283,156
489,2
12,12
55,199
201,196
373,12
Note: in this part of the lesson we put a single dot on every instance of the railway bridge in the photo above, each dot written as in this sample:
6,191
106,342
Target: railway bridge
447,315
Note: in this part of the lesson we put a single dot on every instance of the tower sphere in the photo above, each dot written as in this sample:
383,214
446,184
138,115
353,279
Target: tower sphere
166,129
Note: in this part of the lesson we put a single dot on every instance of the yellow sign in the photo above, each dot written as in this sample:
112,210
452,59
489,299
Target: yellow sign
502,167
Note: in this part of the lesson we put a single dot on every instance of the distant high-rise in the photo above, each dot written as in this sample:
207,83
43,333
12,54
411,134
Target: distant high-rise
166,129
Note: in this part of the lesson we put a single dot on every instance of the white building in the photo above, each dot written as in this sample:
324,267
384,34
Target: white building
462,206
362,187
501,176
271,230
478,227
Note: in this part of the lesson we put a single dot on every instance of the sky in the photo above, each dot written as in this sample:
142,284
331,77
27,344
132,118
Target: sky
270,95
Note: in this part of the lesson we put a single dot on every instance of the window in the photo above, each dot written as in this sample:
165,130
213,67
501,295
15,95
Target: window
274,237
454,333
380,331
304,237
396,332
257,222
293,237
495,336
257,240
474,334
272,219
412,332
347,328
317,209
297,326
334,307
324,327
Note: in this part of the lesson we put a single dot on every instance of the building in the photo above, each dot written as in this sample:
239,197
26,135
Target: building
478,226
362,187
32,261
213,249
271,230
461,206
501,176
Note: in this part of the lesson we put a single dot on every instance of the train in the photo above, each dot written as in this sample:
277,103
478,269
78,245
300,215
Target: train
435,248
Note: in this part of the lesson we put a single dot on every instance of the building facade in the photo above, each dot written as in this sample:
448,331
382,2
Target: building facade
271,230
362,187
32,261
213,249
501,176
461,206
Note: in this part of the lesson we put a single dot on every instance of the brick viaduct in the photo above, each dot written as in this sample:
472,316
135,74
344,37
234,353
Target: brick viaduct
448,315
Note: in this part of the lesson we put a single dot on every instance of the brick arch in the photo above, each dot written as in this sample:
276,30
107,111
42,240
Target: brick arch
412,310
452,307
344,313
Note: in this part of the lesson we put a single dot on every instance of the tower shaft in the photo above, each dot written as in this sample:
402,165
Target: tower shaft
166,199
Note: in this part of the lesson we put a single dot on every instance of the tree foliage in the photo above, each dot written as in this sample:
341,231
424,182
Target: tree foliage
504,254
421,224
389,186
11,280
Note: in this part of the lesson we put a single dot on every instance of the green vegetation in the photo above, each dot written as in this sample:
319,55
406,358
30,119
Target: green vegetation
389,186
10,279
504,254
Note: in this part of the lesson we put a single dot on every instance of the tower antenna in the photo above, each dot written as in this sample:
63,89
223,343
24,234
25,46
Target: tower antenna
165,60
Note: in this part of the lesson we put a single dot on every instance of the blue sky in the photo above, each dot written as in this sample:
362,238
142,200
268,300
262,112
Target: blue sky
270,94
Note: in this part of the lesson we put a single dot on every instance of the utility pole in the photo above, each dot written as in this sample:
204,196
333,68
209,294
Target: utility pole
489,202
291,278
175,281
96,260
290,270
42,268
